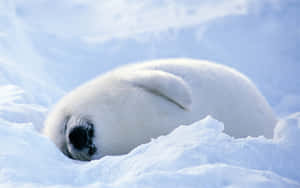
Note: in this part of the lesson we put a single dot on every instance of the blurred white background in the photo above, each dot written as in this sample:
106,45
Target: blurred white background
56,45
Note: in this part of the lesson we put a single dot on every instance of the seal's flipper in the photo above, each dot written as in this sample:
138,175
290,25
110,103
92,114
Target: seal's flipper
163,84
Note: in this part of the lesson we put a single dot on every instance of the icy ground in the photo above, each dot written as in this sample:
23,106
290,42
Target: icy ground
198,155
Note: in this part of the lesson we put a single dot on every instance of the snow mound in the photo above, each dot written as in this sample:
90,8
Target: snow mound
191,156
15,107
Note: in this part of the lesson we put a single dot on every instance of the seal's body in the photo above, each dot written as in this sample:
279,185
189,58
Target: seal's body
126,107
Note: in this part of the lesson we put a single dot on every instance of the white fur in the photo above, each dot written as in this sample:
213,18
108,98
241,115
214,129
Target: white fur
135,103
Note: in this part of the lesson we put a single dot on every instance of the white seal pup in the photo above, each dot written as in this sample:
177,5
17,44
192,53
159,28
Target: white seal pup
128,106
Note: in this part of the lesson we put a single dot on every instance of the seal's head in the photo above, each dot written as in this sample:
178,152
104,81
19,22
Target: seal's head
113,114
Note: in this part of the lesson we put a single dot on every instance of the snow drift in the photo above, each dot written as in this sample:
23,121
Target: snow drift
191,156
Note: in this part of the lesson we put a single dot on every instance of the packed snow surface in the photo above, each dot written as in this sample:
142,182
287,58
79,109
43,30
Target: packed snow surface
197,155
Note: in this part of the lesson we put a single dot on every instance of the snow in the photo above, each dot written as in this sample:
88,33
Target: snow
15,109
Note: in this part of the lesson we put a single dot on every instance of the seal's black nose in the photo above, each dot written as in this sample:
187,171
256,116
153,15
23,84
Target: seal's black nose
79,137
